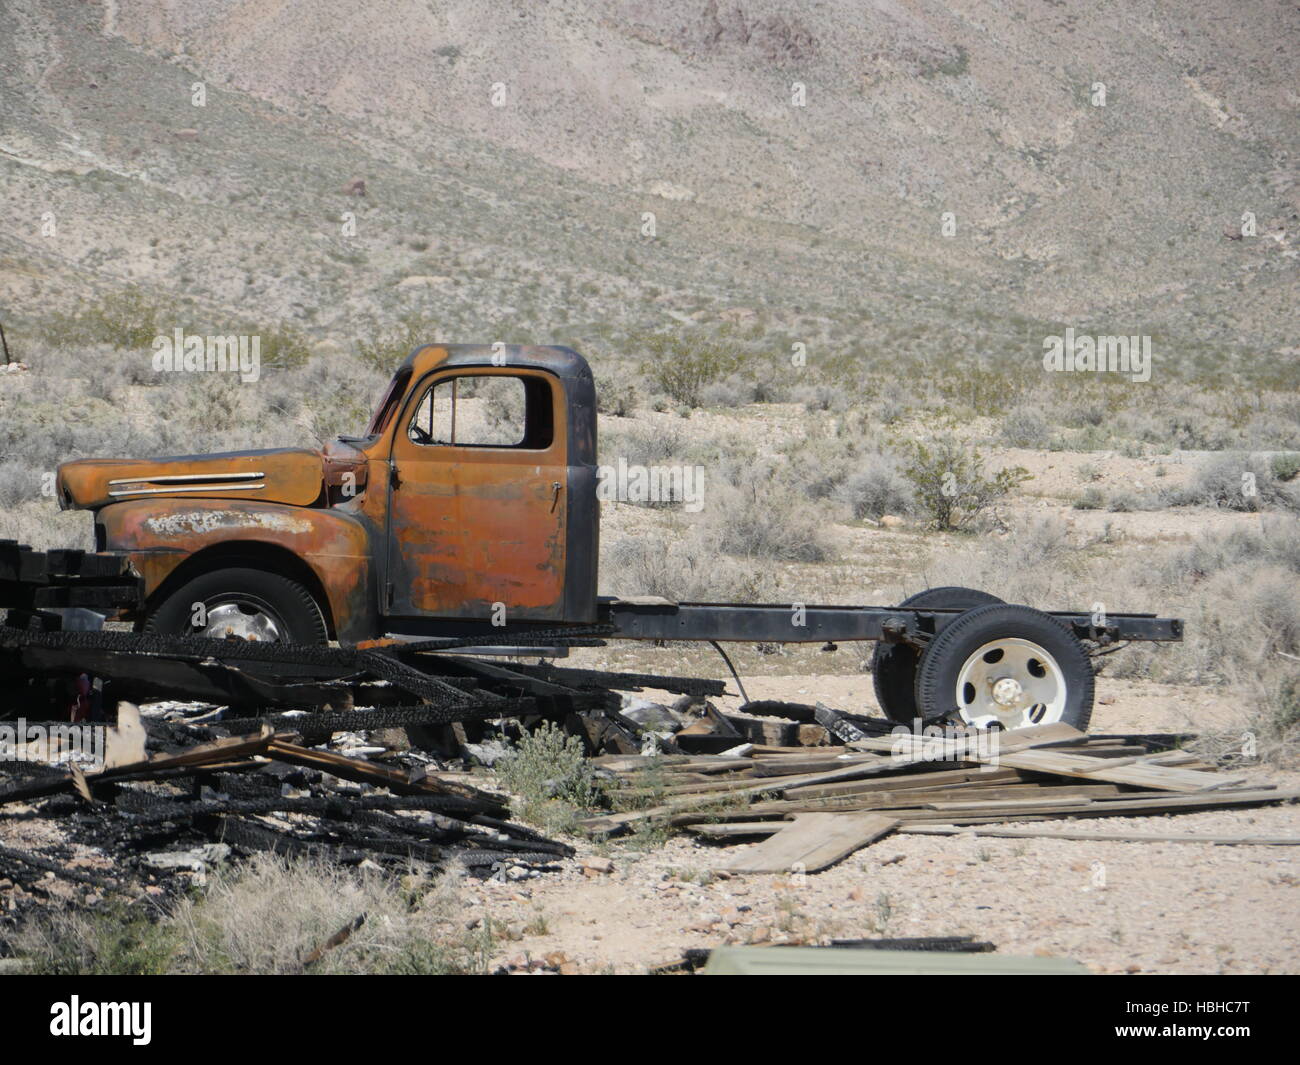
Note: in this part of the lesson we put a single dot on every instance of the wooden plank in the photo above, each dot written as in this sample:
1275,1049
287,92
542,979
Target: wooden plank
1037,805
761,749
813,842
917,797
611,824
406,783
216,751
1153,804
205,753
780,767
1138,774
728,830
1066,833
1015,753
980,777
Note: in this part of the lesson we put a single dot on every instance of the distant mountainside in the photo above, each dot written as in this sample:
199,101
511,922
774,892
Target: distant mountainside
800,161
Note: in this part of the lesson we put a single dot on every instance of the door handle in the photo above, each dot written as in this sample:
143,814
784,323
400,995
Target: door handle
555,497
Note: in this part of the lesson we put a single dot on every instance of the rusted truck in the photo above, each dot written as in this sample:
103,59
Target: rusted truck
469,506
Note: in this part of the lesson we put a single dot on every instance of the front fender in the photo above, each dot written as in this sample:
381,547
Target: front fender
159,535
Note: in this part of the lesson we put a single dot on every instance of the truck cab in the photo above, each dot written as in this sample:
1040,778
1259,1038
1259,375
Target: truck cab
469,501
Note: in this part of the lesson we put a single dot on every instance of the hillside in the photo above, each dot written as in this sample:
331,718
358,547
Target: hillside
524,221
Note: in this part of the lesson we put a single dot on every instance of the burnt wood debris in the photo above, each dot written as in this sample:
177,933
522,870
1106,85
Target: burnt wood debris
811,783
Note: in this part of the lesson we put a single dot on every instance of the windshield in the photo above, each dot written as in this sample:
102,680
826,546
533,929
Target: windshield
388,405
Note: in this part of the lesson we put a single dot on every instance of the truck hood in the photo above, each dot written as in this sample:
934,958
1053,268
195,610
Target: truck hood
296,476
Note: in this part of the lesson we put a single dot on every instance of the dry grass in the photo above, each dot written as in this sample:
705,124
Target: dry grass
265,917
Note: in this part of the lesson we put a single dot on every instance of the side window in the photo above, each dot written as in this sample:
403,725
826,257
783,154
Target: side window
484,411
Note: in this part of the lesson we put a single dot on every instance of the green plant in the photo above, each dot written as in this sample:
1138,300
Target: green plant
386,348
283,348
680,365
549,772
111,940
125,319
951,484
617,400
1090,499
876,488
1286,466
768,519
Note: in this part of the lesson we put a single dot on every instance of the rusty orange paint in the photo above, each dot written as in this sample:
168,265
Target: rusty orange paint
159,535
287,475
387,526
473,527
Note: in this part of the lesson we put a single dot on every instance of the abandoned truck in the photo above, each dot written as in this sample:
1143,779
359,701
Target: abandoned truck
469,507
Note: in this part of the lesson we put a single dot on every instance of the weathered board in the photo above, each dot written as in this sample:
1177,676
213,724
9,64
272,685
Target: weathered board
813,842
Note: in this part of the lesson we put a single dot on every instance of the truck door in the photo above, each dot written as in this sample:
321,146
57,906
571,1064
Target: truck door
477,510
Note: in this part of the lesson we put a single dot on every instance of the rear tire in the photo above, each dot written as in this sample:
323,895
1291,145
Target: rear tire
243,603
1006,666
893,665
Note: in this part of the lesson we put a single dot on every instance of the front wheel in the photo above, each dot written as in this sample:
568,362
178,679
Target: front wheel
1006,666
241,603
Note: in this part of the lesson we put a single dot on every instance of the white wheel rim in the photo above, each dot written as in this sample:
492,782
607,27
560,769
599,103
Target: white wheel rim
1010,683
240,621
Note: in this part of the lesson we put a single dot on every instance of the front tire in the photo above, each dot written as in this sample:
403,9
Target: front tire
1006,666
241,603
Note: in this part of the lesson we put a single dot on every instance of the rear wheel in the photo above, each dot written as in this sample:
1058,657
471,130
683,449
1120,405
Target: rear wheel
893,665
241,603
1006,666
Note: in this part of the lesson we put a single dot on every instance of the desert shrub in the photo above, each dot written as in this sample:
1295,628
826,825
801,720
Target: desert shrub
1025,427
125,319
212,404
617,400
386,347
682,564
1276,541
733,391
890,411
1236,482
1035,563
549,773
1285,466
1089,499
768,520
876,487
817,473
1267,728
818,398
644,445
63,940
681,364
1283,707
267,915
503,406
19,483
951,485
283,348
1193,430
1236,589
